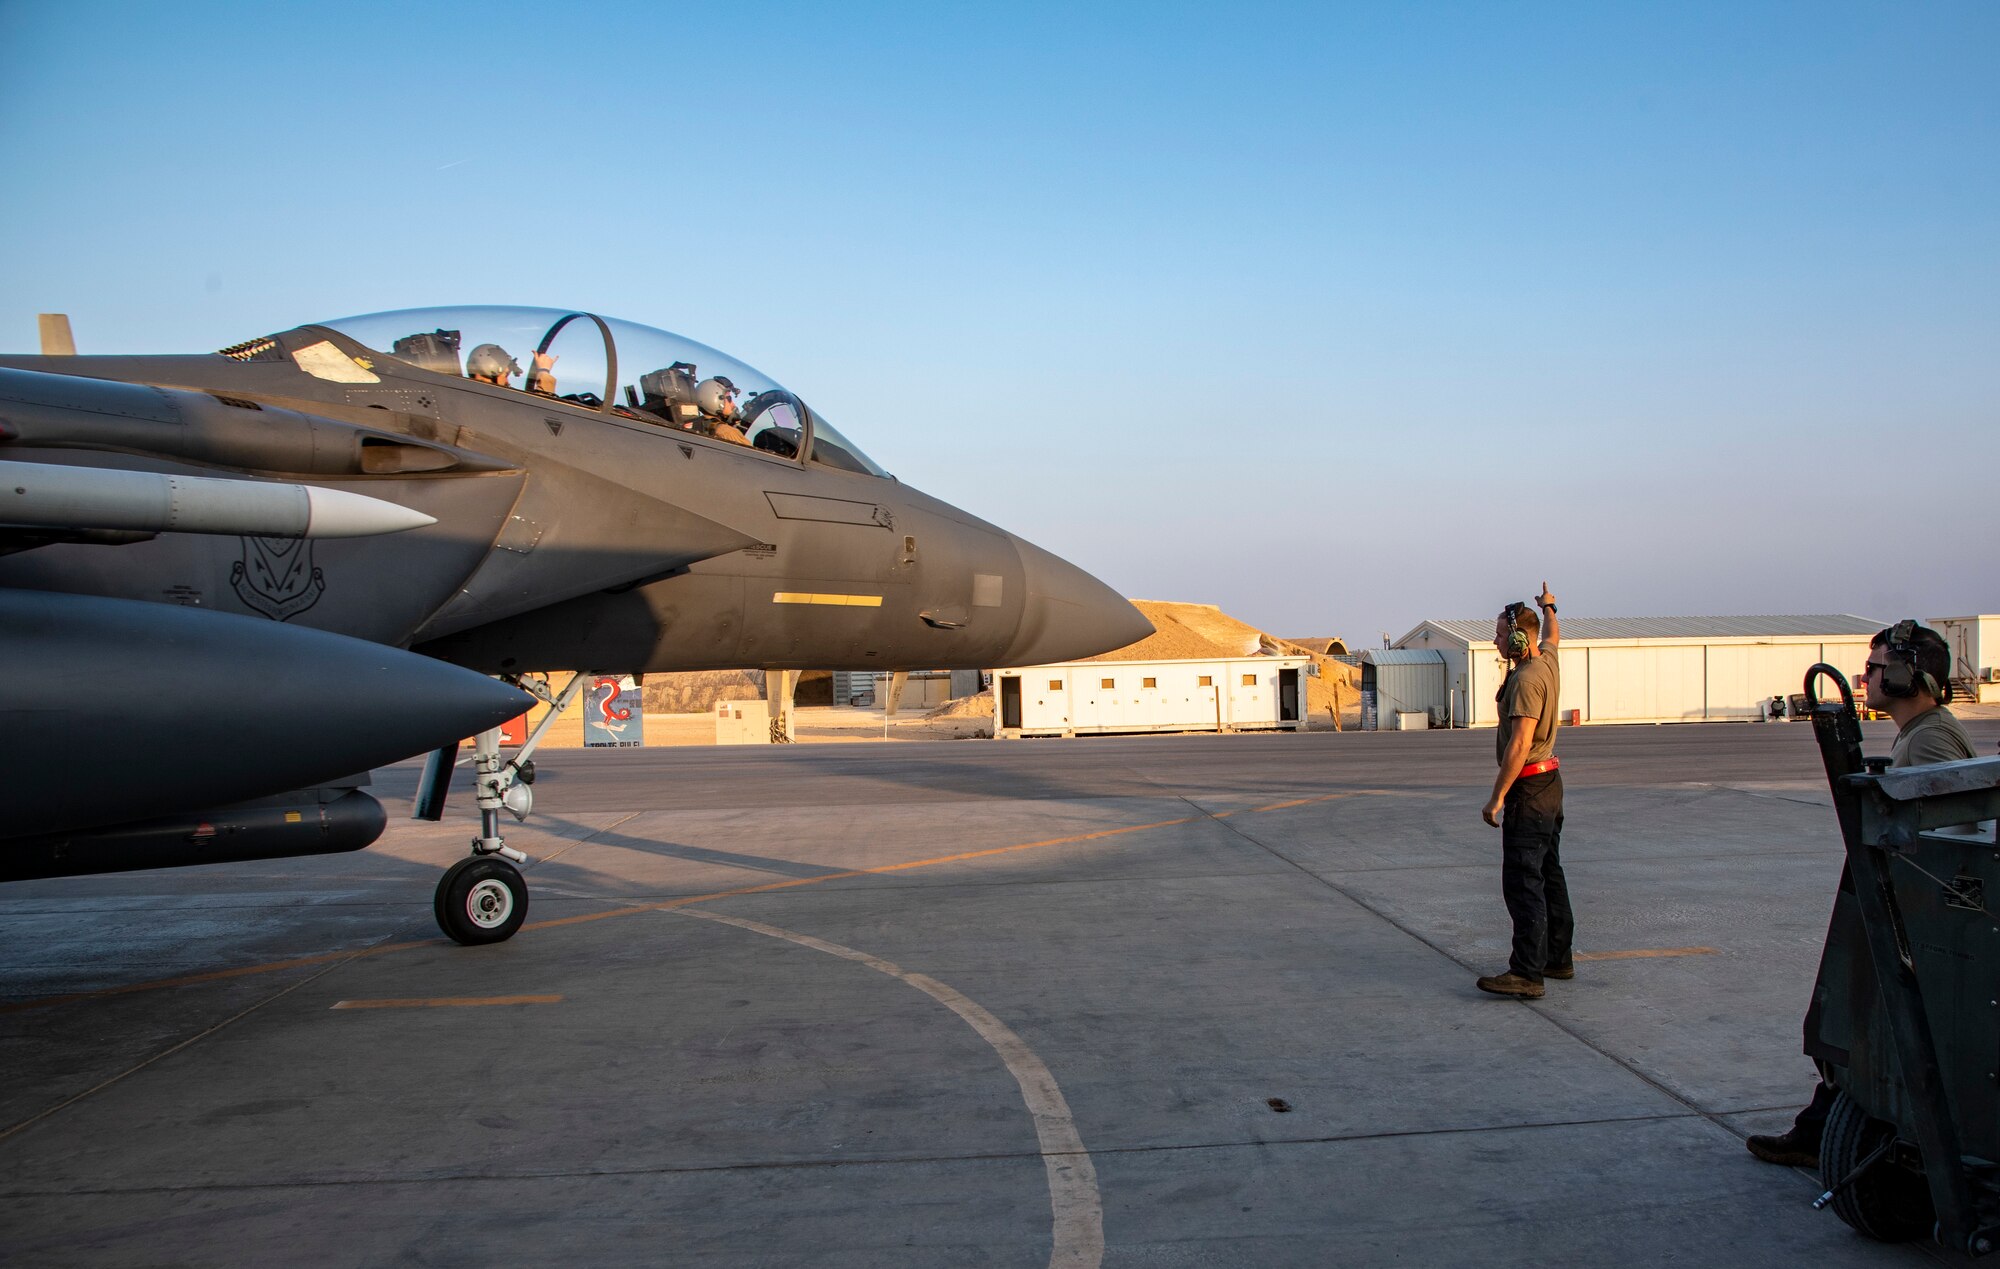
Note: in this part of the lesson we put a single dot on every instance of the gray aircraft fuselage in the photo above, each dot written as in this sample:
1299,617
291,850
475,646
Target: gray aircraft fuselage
565,533
571,537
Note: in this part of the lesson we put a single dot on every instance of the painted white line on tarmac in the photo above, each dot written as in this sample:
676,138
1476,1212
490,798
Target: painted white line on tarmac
1073,1196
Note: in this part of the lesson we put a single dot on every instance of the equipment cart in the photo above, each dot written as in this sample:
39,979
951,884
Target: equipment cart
1905,1015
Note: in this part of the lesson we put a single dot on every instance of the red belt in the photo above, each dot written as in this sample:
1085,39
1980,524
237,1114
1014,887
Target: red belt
1536,768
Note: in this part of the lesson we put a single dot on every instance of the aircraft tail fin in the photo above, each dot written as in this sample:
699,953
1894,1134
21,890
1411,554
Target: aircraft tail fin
56,338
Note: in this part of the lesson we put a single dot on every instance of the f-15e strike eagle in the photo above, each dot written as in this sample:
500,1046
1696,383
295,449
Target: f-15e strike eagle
230,582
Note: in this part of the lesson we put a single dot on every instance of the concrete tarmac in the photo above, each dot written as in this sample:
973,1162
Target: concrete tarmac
1134,1001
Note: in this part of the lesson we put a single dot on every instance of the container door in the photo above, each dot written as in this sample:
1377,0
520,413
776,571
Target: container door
1010,700
1288,696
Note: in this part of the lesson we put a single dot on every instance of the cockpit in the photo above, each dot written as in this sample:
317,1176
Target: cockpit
630,372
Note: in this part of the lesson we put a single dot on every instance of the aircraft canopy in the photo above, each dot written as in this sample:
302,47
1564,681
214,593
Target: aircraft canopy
618,367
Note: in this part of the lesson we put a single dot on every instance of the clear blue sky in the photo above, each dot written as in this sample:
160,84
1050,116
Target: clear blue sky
1340,316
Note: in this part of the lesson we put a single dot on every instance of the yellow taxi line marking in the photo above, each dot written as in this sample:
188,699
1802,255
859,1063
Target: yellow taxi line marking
1074,1201
1286,806
447,1002
301,962
1643,953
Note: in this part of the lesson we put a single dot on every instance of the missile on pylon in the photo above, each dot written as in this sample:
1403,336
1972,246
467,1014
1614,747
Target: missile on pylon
55,496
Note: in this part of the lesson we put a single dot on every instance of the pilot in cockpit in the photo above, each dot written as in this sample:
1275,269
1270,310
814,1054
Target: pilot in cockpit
716,399
490,363
707,408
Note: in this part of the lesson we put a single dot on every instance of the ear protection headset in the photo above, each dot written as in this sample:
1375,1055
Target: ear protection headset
1900,676
1517,638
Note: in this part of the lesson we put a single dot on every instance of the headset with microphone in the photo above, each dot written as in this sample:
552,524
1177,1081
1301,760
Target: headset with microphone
1900,676
1517,638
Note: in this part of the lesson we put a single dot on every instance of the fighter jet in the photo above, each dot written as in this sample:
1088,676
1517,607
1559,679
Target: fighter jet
231,583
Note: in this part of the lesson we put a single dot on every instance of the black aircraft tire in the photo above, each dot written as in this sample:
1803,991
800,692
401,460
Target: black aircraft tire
481,900
1889,1203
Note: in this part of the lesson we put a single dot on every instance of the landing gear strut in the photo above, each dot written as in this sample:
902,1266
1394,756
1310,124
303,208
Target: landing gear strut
484,899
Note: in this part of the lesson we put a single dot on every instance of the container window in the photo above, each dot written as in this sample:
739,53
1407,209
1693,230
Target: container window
1107,683
1205,681
1149,682
1055,685
1249,680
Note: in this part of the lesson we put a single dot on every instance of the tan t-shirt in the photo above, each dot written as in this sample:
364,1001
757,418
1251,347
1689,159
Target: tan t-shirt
1530,692
1932,736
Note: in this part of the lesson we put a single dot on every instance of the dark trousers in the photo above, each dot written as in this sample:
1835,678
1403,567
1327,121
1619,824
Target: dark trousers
1531,875
1811,1121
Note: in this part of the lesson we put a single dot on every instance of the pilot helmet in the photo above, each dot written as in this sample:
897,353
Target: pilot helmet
716,397
490,359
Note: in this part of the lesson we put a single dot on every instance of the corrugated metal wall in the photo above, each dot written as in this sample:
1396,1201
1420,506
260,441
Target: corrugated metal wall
1653,681
1404,686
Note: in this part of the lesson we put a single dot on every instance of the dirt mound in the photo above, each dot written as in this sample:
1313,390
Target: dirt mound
1337,690
1172,638
697,691
980,706
815,687
1235,638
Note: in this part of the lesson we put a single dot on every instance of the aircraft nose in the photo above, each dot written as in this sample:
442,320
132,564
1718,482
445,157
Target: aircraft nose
1068,614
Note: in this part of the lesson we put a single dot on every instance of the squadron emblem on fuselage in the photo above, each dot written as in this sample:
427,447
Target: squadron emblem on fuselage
277,577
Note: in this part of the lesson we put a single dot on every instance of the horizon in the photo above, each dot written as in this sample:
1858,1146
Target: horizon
1354,315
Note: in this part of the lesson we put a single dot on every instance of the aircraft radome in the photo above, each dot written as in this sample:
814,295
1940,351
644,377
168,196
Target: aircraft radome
229,582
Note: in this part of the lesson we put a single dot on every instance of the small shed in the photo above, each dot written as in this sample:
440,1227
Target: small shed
1654,669
1398,682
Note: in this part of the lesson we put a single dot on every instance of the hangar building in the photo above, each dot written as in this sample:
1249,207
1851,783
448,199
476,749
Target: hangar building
1653,669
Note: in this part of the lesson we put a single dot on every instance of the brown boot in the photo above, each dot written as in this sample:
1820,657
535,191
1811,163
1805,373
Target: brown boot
1510,984
1794,1150
1564,971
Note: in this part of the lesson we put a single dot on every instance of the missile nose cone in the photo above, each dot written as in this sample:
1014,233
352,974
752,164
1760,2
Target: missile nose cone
335,513
1068,614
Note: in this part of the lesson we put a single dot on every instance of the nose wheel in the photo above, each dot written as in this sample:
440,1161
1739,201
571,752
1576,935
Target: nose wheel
484,899
481,900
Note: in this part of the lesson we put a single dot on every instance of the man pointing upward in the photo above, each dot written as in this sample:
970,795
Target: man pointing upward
1527,803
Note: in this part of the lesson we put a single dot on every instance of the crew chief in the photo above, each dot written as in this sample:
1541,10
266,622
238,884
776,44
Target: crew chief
1527,804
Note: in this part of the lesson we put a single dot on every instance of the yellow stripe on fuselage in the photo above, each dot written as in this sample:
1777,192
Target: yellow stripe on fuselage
830,601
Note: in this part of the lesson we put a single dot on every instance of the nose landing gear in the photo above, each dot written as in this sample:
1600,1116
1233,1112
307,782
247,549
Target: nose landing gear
484,899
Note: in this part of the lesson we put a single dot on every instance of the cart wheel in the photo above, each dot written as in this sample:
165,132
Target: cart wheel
481,900
1889,1202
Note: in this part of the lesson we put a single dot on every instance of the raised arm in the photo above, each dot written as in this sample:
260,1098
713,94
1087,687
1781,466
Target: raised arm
1551,628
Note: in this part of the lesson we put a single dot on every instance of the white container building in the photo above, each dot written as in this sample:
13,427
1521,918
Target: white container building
1653,669
1077,698
1975,653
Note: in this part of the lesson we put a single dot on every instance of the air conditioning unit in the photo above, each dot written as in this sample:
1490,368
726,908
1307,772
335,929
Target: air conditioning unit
1991,674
